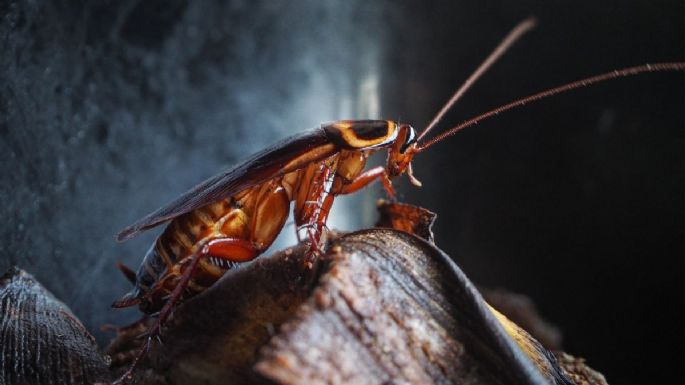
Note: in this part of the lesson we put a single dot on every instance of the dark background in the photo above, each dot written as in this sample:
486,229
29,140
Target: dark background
110,109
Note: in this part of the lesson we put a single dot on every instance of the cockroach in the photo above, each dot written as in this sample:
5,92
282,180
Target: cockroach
235,216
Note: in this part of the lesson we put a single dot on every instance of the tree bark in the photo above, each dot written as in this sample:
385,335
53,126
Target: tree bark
41,341
381,306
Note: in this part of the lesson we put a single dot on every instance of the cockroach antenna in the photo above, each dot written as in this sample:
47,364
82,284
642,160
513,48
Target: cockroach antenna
506,43
620,73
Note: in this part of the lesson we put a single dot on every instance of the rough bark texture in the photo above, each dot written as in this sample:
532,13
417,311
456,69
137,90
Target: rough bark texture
377,316
380,306
215,337
387,307
41,342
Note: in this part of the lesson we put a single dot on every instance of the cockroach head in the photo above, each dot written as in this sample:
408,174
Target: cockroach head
401,154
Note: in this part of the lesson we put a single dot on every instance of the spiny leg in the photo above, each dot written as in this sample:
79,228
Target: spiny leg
231,249
311,209
315,230
314,249
317,222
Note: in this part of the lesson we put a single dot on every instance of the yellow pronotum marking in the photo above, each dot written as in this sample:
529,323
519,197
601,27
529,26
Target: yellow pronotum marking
350,136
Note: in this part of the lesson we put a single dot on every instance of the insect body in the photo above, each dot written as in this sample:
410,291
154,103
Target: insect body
234,216
207,235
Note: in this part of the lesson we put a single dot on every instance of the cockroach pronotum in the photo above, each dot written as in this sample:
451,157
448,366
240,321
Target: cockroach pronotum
235,216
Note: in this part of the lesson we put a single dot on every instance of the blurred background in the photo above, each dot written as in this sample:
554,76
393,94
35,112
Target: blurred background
110,109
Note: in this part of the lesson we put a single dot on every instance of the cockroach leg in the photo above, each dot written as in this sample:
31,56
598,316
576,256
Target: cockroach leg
314,245
230,249
314,233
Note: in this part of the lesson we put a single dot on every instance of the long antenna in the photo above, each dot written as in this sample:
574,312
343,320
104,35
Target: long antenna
506,43
630,71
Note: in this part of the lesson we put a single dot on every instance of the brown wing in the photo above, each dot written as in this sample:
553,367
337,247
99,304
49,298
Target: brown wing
283,157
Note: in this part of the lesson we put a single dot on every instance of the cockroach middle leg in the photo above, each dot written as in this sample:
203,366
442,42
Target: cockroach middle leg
311,214
316,229
315,245
317,222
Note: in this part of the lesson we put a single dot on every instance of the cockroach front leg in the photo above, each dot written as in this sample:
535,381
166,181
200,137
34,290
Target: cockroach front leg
229,249
366,178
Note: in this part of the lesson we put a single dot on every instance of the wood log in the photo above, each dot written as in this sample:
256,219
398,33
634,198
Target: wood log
382,306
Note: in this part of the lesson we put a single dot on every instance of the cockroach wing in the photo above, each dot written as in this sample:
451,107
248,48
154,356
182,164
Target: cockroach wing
285,156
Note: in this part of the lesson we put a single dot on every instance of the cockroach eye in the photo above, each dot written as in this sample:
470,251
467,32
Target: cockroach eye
410,139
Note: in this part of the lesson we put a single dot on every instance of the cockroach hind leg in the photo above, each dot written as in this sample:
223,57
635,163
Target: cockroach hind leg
128,374
165,312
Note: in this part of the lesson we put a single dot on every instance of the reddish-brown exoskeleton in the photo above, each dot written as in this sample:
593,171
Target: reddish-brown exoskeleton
233,217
